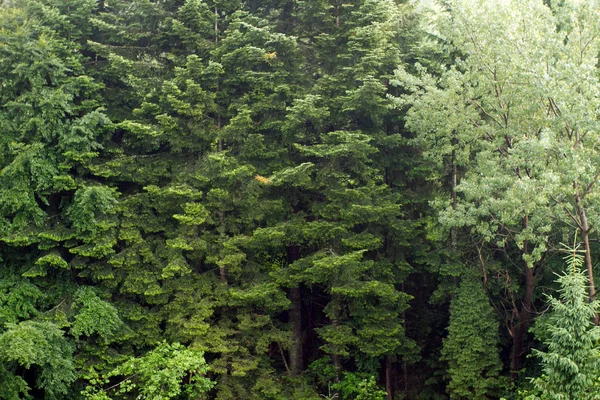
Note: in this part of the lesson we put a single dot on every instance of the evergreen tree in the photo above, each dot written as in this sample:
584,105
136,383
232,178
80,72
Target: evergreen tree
345,217
220,174
571,364
471,348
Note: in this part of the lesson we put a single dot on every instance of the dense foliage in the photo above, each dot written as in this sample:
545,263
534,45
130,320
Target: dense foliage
226,199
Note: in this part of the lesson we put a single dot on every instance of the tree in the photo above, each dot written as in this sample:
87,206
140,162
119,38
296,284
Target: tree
213,173
471,348
571,364
56,220
166,372
513,118
190,158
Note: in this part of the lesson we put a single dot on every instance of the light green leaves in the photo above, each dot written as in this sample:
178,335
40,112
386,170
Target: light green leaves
41,344
159,375
515,115
94,315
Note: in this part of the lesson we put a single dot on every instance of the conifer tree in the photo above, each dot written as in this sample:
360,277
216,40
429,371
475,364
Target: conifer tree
471,348
344,214
211,173
571,363
56,219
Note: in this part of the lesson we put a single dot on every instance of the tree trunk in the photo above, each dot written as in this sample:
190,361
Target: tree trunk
296,354
522,324
405,372
585,234
389,387
524,315
296,351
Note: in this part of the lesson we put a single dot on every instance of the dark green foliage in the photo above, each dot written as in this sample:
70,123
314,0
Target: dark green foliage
219,199
173,169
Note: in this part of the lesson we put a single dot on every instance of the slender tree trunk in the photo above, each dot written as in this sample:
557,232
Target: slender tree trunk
296,350
454,184
389,386
524,315
296,354
585,234
405,372
335,357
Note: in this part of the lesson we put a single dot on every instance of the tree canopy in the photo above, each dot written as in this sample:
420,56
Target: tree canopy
360,199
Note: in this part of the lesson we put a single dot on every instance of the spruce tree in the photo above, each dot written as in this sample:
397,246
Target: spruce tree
571,363
471,348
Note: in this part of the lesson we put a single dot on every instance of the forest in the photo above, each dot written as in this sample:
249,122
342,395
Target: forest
299,199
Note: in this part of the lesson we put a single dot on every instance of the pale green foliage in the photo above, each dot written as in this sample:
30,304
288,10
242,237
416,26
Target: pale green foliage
516,114
94,315
571,364
471,348
40,344
159,375
359,386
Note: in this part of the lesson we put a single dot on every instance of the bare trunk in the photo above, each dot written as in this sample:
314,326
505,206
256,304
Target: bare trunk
585,234
405,372
522,324
389,387
454,184
296,359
